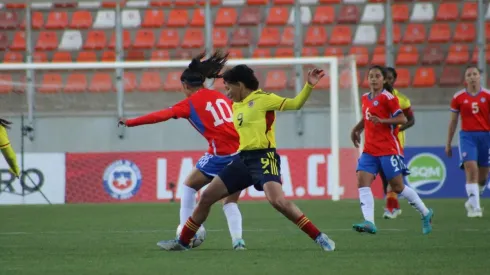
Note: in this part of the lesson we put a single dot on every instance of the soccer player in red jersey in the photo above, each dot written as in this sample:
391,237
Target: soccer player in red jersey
210,113
473,105
382,150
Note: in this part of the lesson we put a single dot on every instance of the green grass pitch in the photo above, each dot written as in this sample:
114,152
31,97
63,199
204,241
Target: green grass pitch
120,239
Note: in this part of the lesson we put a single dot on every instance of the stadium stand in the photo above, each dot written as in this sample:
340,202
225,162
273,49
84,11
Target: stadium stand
434,40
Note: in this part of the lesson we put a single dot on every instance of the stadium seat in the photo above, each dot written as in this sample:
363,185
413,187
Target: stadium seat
379,56
315,36
220,37
249,16
92,5
169,39
465,32
373,13
226,17
130,18
62,57
269,37
109,4
96,40
324,15
76,83
275,80
310,52
5,83
8,20
57,20
51,83
397,35
400,12
129,79
108,56
37,21
126,40
235,53
150,82
432,55
197,18
184,54
305,16
65,5
105,19
144,39
469,11
81,20
261,53
193,38
362,55
19,42
365,35
283,2
414,33
277,16
172,81
349,14
450,77
403,78
284,52
47,41
257,2
287,37
86,56
241,37
422,12
458,54
474,58
153,19
234,2
71,41
13,57
329,1
4,41
424,77
132,55
334,51
15,6
447,12
341,35
101,83
178,18
39,57
440,33
407,56
158,55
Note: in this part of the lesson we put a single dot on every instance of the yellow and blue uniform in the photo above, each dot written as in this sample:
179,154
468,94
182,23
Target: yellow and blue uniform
254,119
8,152
405,105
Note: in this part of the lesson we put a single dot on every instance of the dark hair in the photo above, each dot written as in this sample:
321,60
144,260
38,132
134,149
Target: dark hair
5,123
472,67
392,71
383,70
198,70
242,73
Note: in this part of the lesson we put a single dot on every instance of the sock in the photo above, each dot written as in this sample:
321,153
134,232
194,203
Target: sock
308,227
391,201
414,200
234,218
188,231
473,191
367,203
187,203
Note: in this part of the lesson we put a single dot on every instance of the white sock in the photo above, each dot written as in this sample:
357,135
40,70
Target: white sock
234,218
367,203
187,203
473,191
414,200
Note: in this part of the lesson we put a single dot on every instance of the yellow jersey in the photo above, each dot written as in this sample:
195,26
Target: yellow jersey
254,117
8,152
404,105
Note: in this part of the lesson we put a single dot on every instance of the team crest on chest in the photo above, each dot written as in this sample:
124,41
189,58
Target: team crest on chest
482,99
375,103
465,101
251,103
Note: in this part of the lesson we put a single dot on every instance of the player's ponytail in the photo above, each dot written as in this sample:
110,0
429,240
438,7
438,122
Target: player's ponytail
5,123
198,70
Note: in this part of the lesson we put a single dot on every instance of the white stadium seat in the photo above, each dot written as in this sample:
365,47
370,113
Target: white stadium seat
373,13
422,12
105,19
233,2
70,41
42,5
354,1
137,4
305,16
308,2
89,5
131,18
365,35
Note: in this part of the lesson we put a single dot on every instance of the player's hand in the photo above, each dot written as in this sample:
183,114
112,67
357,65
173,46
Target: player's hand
355,136
375,119
449,151
122,122
314,76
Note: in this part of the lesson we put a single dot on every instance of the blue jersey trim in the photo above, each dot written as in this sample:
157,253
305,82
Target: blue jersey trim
195,120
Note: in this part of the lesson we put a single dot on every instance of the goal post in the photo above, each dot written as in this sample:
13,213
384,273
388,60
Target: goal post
339,97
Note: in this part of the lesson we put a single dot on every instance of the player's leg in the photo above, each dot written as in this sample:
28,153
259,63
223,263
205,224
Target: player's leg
468,152
483,161
234,219
367,168
192,184
390,198
483,178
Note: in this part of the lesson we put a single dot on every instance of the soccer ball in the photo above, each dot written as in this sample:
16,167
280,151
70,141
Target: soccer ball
198,239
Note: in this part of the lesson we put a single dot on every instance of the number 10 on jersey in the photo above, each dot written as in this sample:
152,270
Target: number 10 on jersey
223,115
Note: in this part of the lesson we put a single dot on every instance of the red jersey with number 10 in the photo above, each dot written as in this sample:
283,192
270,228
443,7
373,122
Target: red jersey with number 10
474,110
381,139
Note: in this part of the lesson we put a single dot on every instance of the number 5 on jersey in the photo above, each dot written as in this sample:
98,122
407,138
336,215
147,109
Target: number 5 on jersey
223,115
474,108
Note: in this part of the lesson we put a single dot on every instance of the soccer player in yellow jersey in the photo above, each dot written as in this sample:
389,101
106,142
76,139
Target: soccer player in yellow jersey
7,151
259,164
392,207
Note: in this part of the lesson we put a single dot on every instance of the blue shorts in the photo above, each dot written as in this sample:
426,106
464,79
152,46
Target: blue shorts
391,166
211,165
474,146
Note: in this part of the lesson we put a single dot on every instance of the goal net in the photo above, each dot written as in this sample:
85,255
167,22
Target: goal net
319,158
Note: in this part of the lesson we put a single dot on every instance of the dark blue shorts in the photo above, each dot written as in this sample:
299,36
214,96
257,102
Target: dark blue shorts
391,166
474,146
211,165
255,167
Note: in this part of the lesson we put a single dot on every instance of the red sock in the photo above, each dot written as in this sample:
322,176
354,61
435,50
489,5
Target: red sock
396,203
391,201
308,227
188,231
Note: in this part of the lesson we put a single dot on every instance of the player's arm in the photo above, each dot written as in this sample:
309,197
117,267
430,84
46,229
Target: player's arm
453,122
8,152
355,134
179,110
407,111
397,116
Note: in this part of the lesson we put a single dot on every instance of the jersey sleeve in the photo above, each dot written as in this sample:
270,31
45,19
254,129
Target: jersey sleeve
393,106
4,139
455,105
271,102
179,110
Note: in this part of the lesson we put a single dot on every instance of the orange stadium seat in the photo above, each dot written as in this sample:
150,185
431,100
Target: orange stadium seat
447,12
47,41
450,76
334,51
37,21
432,55
261,53
362,55
465,32
424,77
235,53
400,12
5,83
184,54
76,83
397,35
126,40
324,15
349,14
310,51
161,3
4,41
13,57
269,37
440,33
158,55
275,80
108,56
407,55
315,36
220,37
474,58
414,33
62,57
379,56
197,18
19,42
129,79
153,19
57,20
193,38
108,4
277,16
96,40
329,1
346,79
172,81
341,35
184,3
144,39
15,5
226,17
8,20
39,57
284,52
403,78
178,18
134,55
51,83
287,37
213,2
469,11
150,82
249,16
283,2
169,38
241,37
101,83
364,81
458,54
65,5
87,56
81,20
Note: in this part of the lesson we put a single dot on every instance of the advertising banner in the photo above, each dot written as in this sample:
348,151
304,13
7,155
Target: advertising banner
44,174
